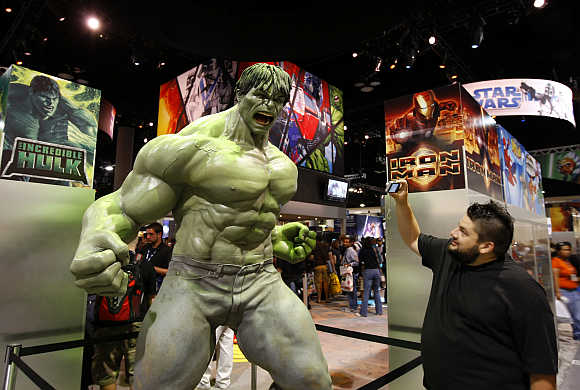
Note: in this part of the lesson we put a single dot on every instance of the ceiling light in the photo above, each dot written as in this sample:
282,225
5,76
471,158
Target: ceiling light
359,84
367,136
354,55
109,168
432,40
100,35
62,19
18,62
375,83
453,77
27,53
44,39
8,10
392,66
150,124
539,3
477,33
362,205
136,63
367,88
65,76
379,64
345,127
93,23
346,142
145,140
442,66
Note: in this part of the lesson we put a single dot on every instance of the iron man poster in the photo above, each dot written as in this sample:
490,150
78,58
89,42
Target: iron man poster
424,139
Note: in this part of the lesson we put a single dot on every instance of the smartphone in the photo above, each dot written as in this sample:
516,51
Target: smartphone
393,187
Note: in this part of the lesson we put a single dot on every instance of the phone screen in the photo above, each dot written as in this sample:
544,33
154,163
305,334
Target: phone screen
393,187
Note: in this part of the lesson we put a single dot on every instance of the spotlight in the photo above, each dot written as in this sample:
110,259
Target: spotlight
392,66
145,140
346,142
45,39
93,23
442,65
362,205
8,10
27,53
454,76
150,124
367,136
432,40
477,34
18,62
344,127
354,55
62,19
539,3
379,64
109,168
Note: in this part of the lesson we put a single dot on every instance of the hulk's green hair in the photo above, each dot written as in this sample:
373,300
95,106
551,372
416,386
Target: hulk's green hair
262,76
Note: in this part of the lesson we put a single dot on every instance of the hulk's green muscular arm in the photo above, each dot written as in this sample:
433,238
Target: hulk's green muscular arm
113,220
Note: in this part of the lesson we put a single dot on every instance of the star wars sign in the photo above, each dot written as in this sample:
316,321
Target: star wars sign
524,97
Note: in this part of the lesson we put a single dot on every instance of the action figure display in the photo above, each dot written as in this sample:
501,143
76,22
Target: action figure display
225,184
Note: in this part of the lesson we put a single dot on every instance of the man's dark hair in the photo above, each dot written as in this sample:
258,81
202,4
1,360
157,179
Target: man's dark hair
493,223
562,244
44,84
262,75
156,226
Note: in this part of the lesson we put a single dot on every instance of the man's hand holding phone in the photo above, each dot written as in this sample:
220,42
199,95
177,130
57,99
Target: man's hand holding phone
398,190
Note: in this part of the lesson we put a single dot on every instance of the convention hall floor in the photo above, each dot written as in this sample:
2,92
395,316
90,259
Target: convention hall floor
354,363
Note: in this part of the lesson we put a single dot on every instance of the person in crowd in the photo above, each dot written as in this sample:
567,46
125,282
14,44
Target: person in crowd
351,258
109,322
321,276
224,362
488,324
335,256
383,263
156,252
566,283
369,259
292,274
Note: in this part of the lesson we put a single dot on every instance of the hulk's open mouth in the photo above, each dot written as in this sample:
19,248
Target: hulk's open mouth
263,118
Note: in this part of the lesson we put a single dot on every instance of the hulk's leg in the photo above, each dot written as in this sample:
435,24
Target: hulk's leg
278,334
176,341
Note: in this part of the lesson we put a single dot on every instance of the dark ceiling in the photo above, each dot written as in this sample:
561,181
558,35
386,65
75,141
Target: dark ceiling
519,41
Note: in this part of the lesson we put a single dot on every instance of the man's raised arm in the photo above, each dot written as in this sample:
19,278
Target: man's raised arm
113,220
406,222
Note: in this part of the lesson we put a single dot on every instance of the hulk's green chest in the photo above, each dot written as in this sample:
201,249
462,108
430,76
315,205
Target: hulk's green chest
234,176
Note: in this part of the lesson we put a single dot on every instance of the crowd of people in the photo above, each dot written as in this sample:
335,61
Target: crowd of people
368,269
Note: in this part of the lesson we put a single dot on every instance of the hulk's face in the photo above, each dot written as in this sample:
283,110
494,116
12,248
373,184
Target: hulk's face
260,107
45,102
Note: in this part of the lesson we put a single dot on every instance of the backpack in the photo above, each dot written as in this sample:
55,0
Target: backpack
126,308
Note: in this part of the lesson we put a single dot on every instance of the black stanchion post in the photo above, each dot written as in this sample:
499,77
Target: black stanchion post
10,369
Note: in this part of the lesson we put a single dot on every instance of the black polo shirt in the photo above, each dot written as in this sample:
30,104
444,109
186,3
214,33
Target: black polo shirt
486,327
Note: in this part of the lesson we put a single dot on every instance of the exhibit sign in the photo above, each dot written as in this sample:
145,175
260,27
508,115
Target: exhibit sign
424,138
533,193
524,97
310,129
107,116
565,216
563,166
49,128
512,156
207,88
482,162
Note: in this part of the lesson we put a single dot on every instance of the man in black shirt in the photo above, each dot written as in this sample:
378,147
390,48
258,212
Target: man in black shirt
155,251
488,324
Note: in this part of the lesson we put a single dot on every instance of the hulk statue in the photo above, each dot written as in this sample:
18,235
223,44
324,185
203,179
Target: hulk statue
225,184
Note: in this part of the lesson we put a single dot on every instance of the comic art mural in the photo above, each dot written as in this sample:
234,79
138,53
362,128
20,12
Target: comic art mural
424,139
48,128
309,130
482,160
563,165
512,157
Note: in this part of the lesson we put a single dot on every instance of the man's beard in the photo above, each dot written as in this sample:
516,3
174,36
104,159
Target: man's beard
466,256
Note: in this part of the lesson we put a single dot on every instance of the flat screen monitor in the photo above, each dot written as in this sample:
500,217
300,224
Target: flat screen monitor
336,190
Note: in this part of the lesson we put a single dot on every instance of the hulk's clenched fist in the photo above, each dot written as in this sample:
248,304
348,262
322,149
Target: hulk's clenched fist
293,242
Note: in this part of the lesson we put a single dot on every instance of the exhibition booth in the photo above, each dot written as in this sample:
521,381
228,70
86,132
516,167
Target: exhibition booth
442,141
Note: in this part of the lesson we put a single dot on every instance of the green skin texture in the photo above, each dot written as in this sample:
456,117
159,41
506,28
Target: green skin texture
225,184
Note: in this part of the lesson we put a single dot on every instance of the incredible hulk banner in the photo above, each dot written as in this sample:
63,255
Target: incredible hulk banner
49,128
310,129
